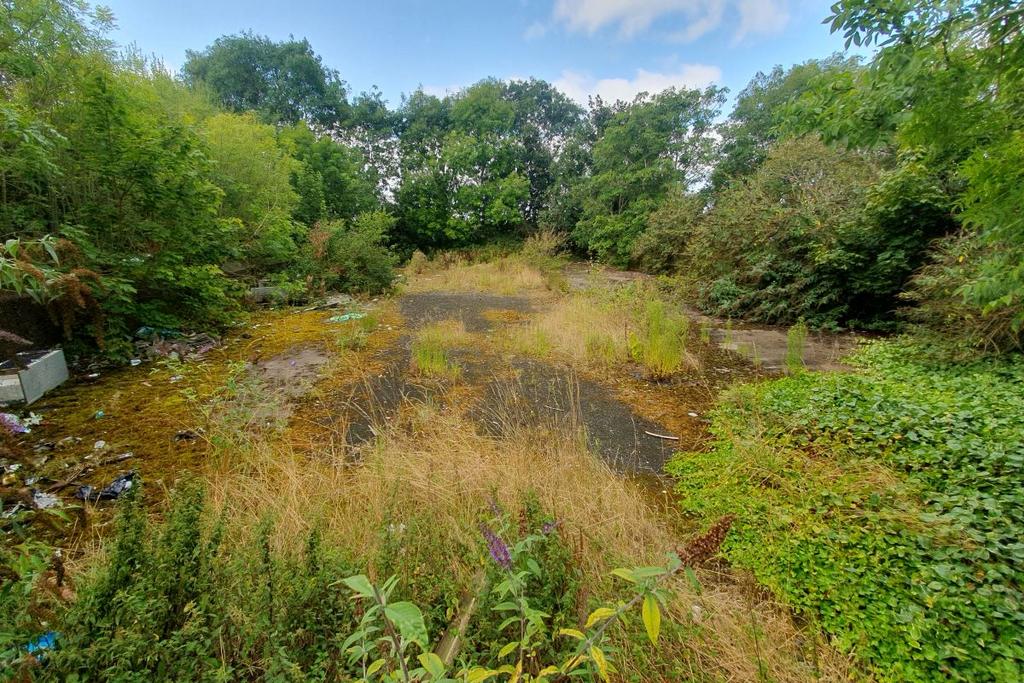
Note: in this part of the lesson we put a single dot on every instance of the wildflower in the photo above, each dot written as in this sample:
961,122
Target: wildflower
495,508
550,526
499,551
12,425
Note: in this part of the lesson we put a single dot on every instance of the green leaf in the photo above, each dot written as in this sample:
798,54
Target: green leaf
652,617
479,675
573,633
408,619
642,573
374,667
433,664
508,649
599,614
360,585
623,573
602,663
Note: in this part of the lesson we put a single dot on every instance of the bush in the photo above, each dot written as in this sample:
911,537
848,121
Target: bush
972,293
177,601
819,234
662,246
353,257
884,505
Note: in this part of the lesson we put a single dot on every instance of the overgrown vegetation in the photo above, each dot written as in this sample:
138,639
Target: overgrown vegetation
828,182
883,504
430,349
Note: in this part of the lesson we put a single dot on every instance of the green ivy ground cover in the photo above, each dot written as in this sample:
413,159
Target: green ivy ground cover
887,505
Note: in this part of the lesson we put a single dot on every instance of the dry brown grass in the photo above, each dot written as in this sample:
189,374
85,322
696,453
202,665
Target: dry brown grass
580,328
507,276
433,465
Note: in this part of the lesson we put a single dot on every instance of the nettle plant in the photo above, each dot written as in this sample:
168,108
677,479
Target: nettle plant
391,642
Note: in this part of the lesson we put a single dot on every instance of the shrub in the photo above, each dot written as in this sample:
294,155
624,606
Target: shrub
972,291
819,234
177,600
662,246
353,257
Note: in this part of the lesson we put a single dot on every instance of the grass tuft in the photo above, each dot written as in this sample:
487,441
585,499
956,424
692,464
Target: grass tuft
660,345
430,349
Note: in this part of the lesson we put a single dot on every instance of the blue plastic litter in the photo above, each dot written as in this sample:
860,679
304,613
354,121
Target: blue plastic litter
47,641
345,317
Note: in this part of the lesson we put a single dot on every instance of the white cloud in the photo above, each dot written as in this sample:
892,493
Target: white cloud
535,30
580,86
698,17
758,16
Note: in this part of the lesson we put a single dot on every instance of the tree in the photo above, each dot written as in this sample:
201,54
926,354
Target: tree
656,143
755,122
138,200
254,171
947,80
347,186
818,233
285,82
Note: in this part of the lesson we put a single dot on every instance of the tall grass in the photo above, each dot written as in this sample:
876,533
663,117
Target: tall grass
535,268
660,344
430,349
796,340
585,328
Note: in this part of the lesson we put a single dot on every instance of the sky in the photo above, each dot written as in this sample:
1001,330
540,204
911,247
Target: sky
614,48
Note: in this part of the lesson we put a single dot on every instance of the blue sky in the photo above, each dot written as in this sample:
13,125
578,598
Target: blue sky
609,47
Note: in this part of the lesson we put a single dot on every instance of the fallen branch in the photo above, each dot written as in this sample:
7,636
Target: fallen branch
662,436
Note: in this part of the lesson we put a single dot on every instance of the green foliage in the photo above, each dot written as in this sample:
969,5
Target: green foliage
946,82
23,562
657,143
285,82
173,601
815,233
754,125
885,505
660,345
332,182
992,285
353,256
254,172
144,210
661,248
796,339
430,355
519,582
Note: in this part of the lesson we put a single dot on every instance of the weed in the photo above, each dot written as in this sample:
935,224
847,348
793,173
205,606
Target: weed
660,345
430,355
796,338
354,336
884,504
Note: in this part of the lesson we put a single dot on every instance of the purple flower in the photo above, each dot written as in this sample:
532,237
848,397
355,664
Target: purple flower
549,527
499,551
11,424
